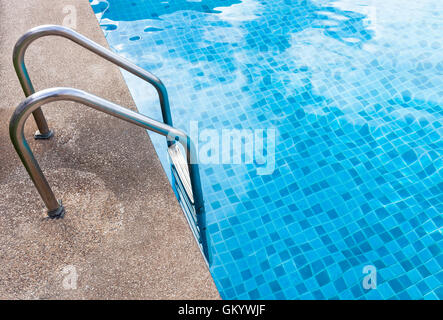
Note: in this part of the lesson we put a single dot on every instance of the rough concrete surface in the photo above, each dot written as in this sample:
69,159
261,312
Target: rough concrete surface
124,232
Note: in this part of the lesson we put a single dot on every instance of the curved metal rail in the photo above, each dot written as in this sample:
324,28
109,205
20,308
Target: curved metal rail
18,58
55,208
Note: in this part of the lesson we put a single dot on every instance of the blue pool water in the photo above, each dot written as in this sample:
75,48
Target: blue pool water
354,90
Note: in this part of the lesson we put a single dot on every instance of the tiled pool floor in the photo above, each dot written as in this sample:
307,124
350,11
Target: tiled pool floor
354,91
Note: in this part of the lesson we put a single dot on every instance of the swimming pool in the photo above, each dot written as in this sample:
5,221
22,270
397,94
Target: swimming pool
353,90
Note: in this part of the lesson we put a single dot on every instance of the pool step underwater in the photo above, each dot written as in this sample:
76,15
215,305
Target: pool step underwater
183,190
181,168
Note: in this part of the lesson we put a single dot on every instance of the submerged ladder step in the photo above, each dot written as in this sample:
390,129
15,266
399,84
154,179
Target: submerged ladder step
181,167
183,189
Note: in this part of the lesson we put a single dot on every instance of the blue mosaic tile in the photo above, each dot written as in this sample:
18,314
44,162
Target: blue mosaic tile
354,92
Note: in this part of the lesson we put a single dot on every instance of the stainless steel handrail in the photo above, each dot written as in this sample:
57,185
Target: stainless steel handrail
55,208
55,30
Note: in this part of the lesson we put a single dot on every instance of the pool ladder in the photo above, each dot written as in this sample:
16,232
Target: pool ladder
186,176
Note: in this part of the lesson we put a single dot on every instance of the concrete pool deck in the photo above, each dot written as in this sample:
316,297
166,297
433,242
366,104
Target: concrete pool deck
124,234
